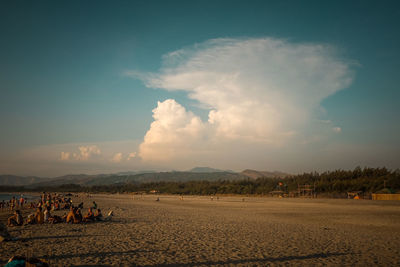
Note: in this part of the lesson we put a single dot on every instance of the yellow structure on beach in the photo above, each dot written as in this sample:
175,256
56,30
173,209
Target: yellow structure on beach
385,196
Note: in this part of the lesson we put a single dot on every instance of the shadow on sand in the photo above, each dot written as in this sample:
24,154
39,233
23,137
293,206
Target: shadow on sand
262,261
101,254
25,239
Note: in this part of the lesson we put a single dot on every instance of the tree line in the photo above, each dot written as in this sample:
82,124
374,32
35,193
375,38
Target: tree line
368,180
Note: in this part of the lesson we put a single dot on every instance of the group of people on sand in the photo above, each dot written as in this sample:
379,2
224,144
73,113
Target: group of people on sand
54,201
49,203
75,216
13,203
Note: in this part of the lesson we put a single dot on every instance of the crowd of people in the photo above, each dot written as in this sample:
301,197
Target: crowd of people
13,203
49,203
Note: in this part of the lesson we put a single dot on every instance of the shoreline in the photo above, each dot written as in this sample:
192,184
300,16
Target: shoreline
318,196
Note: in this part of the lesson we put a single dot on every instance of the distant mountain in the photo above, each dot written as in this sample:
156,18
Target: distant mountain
164,177
207,170
85,179
80,179
196,174
131,173
13,180
89,180
258,174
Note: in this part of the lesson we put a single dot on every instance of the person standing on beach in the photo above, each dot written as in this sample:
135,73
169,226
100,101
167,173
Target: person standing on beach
12,204
21,202
42,198
3,205
46,214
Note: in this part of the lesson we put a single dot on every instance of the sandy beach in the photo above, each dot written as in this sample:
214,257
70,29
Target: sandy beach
235,231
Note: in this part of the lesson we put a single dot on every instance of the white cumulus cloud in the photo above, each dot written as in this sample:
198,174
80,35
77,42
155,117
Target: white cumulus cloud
174,132
131,155
258,91
86,152
65,155
117,157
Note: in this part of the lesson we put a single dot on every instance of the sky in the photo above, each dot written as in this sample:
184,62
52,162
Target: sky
112,86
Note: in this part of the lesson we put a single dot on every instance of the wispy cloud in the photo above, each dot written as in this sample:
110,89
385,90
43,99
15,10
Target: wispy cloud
337,129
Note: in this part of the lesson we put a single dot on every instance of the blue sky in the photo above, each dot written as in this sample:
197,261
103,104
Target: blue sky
74,79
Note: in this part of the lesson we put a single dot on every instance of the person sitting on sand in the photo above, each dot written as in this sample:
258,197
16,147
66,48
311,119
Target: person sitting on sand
55,219
31,219
16,219
98,215
24,261
64,217
70,216
74,216
66,206
78,215
4,234
39,216
32,205
108,217
89,216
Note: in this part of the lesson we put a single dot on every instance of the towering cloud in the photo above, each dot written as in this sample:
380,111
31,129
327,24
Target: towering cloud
258,92
174,132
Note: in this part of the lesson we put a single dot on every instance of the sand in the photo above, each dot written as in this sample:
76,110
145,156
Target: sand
198,231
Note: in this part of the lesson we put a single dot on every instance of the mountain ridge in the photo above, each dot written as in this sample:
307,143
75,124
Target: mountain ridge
197,173
207,169
254,174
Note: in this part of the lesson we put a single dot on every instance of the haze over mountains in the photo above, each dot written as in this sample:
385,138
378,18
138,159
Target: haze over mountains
195,174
